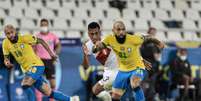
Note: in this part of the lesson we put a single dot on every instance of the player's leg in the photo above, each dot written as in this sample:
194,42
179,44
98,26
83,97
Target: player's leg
50,72
119,85
27,83
44,87
98,90
135,81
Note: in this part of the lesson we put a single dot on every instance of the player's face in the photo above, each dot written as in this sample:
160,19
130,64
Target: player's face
94,34
119,30
10,34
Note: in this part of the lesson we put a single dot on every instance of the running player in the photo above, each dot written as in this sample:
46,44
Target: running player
106,57
21,48
131,67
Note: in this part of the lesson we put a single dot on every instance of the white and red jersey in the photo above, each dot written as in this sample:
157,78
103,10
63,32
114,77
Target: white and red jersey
109,60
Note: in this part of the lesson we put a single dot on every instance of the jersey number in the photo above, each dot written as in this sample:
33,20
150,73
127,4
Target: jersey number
122,55
18,53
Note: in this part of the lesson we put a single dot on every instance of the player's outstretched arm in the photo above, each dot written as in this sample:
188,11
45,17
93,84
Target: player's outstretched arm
85,62
7,62
45,45
58,48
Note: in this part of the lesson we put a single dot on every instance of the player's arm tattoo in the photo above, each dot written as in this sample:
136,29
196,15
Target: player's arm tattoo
45,45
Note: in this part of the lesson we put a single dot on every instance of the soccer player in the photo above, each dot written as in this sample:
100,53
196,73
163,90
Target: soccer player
131,67
55,46
32,66
106,57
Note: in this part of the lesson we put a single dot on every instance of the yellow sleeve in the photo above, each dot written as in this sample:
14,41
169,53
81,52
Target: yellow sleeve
138,39
30,39
106,40
5,48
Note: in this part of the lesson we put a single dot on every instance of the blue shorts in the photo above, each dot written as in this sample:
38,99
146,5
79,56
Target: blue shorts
36,72
122,80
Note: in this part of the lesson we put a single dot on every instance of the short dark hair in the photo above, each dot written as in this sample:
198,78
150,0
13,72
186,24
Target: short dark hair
43,20
93,25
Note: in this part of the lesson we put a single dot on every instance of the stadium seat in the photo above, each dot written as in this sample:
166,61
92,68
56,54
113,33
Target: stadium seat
113,13
76,24
104,4
96,14
128,24
73,34
5,4
16,12
176,14
165,4
149,4
11,20
199,24
36,4
69,4
53,4
189,25
107,24
85,4
160,35
27,24
60,24
161,14
145,14
191,36
133,4
2,13
181,4
141,24
195,4
129,14
31,13
192,14
174,36
47,13
158,24
65,13
20,3
81,13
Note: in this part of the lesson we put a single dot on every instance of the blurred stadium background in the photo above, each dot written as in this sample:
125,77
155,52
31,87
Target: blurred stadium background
178,24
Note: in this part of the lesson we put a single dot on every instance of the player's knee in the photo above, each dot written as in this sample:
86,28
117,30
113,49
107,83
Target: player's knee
116,96
135,82
47,92
96,89
53,85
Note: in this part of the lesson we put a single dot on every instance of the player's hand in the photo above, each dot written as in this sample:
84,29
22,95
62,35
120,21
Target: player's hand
8,64
85,49
99,44
54,58
147,64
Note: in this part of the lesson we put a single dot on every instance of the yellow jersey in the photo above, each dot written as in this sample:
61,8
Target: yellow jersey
22,51
128,53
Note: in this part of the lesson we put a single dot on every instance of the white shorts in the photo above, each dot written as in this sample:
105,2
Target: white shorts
108,78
